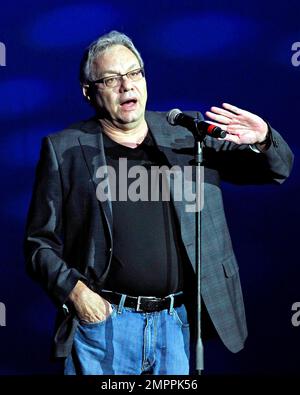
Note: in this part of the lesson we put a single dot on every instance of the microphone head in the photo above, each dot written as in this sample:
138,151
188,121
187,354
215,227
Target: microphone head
172,114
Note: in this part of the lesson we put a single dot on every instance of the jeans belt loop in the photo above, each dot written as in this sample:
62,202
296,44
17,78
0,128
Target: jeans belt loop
138,303
121,304
171,308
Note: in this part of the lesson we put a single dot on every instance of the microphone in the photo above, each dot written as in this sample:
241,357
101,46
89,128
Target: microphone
177,117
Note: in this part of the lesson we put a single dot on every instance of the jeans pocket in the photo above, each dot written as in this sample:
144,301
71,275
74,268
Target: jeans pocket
180,316
98,323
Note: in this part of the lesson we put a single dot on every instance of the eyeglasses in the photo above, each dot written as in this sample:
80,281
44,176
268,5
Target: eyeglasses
115,80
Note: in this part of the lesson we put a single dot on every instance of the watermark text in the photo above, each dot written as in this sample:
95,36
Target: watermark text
2,314
151,183
296,315
296,54
2,54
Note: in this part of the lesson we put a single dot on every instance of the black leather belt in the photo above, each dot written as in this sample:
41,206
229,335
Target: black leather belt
145,304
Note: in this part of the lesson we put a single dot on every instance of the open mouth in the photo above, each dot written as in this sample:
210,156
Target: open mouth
129,102
129,105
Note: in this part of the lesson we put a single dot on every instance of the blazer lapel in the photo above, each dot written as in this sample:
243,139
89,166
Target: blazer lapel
93,152
178,150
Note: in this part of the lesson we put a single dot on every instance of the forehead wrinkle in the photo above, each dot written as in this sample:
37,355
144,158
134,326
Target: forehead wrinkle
114,61
114,72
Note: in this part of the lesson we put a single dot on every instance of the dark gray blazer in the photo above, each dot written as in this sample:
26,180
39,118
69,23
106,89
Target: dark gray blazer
69,232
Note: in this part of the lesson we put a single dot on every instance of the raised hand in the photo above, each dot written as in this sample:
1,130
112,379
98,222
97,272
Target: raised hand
242,127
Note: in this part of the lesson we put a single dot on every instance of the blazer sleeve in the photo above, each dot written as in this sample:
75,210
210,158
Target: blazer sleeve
43,244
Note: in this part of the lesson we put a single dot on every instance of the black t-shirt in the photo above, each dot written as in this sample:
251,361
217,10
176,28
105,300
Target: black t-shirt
146,249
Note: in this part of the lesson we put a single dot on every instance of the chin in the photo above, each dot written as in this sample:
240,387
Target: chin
130,118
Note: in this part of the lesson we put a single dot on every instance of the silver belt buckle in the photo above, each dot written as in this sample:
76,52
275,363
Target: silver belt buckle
144,297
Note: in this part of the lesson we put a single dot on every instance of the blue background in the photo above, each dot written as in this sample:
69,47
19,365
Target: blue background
197,54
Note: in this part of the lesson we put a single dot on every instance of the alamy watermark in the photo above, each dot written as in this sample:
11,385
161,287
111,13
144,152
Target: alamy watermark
151,183
296,316
2,54
2,314
296,55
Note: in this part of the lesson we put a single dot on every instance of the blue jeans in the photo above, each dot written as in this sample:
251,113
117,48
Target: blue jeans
132,343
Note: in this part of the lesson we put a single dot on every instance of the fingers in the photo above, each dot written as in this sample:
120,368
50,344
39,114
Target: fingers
242,127
233,109
107,307
221,111
218,118
93,308
227,115
233,138
100,309
228,110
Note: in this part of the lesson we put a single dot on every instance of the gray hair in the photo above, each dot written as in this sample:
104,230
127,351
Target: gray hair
99,46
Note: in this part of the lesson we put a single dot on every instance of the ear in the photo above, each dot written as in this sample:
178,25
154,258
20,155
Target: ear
86,91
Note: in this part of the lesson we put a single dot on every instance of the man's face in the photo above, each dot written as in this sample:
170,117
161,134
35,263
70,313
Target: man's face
124,105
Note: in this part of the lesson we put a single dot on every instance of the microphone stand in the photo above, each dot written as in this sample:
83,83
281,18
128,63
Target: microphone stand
199,137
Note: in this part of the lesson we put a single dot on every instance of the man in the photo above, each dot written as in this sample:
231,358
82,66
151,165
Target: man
123,271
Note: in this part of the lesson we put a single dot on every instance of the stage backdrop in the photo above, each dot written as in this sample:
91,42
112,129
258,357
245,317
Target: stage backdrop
197,54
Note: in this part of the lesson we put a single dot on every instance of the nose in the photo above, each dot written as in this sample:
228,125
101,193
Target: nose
126,84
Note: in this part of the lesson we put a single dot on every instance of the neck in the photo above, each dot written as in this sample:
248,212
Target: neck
130,137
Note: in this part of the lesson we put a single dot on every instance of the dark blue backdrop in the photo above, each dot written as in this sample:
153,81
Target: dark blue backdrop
197,54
